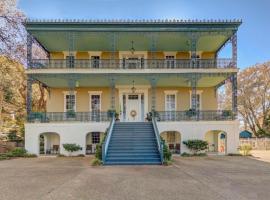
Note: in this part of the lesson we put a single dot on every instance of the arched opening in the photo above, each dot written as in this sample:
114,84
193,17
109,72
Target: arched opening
49,143
217,141
173,140
92,139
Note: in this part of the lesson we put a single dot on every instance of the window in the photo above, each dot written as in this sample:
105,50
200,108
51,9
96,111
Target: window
95,103
133,97
170,102
198,100
95,137
95,61
170,61
171,137
70,102
70,61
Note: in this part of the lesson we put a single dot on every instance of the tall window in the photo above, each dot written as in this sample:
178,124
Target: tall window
70,102
170,61
170,102
95,103
198,103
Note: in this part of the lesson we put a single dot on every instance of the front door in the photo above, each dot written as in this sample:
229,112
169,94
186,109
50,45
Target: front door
133,111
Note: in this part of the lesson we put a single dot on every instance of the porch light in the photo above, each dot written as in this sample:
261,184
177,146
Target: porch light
133,89
132,47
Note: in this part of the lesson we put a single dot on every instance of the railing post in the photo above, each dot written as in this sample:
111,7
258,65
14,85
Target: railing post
234,50
234,94
153,94
29,50
194,94
29,96
112,93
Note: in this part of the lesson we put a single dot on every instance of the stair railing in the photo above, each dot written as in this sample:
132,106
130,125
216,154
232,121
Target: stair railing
105,144
159,143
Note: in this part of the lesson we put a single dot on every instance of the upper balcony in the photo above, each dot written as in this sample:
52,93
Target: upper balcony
126,64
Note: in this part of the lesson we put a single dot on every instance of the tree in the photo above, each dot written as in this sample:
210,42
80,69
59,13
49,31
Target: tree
253,98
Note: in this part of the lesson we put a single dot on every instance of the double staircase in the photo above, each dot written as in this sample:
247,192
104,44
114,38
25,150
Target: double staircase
133,143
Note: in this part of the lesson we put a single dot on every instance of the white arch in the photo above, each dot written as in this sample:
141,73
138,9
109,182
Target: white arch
52,141
217,141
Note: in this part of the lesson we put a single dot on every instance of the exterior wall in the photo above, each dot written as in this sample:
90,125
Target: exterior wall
55,102
157,55
68,132
198,130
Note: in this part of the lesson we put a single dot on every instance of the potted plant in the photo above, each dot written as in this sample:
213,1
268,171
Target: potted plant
71,114
191,112
111,113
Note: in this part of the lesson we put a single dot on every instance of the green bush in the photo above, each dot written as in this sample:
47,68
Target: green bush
72,147
245,149
167,155
96,162
195,146
185,154
17,152
98,153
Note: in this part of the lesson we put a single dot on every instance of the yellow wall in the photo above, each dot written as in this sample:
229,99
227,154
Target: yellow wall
208,55
56,100
157,55
57,55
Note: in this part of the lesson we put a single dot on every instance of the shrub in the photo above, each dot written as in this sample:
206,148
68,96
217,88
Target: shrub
17,152
234,154
72,147
185,154
96,162
98,153
195,146
167,155
245,149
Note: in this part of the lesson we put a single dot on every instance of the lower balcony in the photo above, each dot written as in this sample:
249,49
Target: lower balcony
46,117
189,115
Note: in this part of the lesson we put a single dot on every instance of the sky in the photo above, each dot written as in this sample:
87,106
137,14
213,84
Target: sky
253,34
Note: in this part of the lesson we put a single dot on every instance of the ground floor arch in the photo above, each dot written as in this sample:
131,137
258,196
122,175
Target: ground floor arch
217,141
49,143
173,140
92,139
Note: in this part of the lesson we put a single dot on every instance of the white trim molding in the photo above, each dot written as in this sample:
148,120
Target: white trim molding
170,92
70,93
91,93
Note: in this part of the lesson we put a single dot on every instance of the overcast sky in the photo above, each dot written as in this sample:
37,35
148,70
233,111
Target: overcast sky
253,35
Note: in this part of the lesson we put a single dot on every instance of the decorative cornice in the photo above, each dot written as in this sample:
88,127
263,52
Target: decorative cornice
136,21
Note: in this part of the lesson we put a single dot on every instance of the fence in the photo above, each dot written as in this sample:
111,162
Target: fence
256,143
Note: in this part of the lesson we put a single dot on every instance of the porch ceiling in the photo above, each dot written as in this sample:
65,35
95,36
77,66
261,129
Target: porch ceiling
164,80
99,36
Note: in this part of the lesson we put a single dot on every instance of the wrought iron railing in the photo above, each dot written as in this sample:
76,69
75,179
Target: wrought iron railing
46,117
131,64
107,140
189,115
159,142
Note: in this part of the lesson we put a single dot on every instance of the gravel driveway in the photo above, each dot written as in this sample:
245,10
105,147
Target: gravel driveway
188,178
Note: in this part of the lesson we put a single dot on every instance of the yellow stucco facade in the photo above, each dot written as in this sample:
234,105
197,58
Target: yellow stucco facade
56,101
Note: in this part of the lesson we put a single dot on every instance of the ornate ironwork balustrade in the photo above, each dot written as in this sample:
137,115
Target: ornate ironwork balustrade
190,115
132,64
46,117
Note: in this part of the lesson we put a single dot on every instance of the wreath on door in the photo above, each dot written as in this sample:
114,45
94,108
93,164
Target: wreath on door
133,113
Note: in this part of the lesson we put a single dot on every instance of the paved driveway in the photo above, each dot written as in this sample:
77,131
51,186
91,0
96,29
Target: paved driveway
211,178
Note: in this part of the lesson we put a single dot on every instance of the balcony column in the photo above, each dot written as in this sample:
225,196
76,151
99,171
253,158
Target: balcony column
153,93
194,92
112,83
234,50
29,95
29,44
193,48
234,93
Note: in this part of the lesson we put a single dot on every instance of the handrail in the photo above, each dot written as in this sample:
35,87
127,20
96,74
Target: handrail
159,143
221,63
105,144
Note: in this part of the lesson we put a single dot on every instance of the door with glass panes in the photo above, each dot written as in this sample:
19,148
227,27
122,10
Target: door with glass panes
95,107
170,106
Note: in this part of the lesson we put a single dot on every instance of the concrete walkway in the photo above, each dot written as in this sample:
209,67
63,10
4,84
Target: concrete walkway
189,178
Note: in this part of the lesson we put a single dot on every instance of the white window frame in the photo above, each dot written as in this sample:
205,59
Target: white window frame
91,93
198,92
65,100
170,92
